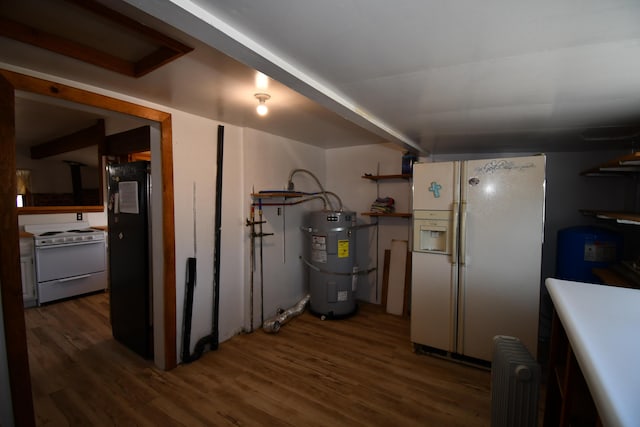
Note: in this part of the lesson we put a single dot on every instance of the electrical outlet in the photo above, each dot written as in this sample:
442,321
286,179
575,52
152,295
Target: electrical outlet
79,216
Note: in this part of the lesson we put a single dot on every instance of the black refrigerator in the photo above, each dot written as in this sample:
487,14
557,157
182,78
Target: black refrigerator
130,287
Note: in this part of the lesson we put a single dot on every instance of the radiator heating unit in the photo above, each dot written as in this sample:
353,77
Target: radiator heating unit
515,384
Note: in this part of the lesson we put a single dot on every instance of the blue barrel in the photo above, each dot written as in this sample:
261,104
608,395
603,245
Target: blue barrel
580,249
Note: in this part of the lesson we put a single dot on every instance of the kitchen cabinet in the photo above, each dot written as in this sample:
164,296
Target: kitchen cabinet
377,178
27,272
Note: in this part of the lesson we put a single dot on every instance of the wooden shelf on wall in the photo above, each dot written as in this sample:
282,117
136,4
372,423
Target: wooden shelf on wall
620,166
621,217
394,214
613,278
405,176
383,177
277,198
277,195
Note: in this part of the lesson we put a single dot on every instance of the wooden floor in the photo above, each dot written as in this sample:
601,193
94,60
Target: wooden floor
355,372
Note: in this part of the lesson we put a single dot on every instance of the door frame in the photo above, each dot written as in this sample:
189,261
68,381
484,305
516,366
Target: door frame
10,284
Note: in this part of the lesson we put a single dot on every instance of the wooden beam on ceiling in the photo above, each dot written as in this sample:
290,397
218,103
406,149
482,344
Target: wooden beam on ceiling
88,137
167,48
33,36
127,142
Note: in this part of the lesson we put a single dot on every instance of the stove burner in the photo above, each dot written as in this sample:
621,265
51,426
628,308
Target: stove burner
50,233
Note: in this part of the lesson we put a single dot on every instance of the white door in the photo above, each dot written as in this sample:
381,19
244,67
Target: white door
502,216
433,307
435,185
434,276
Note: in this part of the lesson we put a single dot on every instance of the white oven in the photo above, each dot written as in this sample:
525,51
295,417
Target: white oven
69,261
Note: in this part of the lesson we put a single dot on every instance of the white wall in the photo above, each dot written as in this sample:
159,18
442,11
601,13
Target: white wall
194,158
268,161
345,167
194,162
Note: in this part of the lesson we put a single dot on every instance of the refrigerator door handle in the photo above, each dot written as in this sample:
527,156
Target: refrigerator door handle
454,234
463,234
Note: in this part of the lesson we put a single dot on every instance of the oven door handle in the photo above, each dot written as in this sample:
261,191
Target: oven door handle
87,242
69,279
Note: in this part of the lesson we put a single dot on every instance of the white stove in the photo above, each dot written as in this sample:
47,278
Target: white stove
57,234
70,259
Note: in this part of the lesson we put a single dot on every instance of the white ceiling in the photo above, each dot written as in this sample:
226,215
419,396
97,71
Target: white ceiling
439,76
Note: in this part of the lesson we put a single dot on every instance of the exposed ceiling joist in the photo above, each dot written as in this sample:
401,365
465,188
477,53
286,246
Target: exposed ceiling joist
17,25
93,135
130,141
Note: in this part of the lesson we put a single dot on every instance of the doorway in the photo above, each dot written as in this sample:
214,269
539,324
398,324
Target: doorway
10,282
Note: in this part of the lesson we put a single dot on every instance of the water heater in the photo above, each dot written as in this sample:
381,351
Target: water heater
330,255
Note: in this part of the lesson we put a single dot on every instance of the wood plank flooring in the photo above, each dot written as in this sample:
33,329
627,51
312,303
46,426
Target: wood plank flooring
355,372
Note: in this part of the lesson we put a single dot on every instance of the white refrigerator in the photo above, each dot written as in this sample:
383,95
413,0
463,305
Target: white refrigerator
478,229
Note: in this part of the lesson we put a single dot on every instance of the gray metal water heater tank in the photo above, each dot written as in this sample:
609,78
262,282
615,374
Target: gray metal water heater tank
330,255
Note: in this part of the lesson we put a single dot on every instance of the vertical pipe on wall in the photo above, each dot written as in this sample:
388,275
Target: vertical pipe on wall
218,227
260,221
213,338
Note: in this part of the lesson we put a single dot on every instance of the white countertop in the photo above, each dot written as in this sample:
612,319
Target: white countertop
603,327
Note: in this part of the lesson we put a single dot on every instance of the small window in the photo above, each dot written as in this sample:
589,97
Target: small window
23,190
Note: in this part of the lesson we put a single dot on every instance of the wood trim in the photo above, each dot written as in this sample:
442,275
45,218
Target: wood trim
133,25
70,93
142,155
385,278
42,39
56,90
168,49
168,231
407,285
10,286
59,209
10,278
153,61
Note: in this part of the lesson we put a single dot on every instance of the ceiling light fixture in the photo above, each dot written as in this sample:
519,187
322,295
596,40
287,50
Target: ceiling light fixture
262,81
262,109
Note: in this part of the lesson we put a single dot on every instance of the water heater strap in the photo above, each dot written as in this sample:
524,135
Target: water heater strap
320,270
